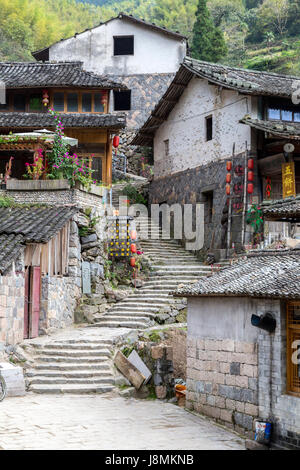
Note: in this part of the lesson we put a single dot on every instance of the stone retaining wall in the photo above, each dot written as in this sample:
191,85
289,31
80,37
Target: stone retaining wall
12,285
59,197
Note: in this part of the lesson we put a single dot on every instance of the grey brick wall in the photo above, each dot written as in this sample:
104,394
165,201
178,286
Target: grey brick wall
222,381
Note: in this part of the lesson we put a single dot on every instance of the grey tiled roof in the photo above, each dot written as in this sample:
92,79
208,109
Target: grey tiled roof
282,209
44,120
250,81
34,224
265,274
245,81
10,248
51,74
279,128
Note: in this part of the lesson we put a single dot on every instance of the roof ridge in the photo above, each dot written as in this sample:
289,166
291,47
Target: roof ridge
241,69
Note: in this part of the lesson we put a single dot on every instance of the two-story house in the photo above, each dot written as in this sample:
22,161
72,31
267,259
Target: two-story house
82,100
143,55
213,114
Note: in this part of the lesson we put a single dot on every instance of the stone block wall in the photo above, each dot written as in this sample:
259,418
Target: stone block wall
222,381
190,186
12,288
59,197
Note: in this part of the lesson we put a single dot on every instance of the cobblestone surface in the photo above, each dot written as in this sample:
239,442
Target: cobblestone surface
109,422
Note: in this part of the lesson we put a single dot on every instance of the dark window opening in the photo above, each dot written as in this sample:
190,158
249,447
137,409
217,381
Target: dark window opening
72,102
209,128
86,103
124,45
122,100
35,102
209,206
167,147
59,101
98,103
19,103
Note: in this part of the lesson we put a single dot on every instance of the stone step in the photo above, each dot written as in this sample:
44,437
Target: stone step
73,342
139,304
125,313
62,366
71,388
39,379
122,318
135,308
76,374
75,346
147,299
76,353
116,324
76,360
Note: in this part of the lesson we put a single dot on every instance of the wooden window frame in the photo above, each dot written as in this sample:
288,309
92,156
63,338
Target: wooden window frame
293,333
80,93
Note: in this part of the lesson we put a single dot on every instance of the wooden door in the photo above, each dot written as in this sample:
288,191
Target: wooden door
26,303
35,292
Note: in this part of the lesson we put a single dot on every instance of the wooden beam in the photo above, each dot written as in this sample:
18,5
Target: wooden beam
109,161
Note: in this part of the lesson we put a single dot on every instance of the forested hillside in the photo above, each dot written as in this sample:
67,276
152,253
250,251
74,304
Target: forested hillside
261,34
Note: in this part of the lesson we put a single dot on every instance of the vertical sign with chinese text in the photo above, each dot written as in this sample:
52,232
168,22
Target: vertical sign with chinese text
288,180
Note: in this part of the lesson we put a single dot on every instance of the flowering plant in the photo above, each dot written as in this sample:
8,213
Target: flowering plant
63,163
36,169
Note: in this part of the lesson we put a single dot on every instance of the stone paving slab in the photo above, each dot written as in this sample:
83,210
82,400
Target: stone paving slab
39,422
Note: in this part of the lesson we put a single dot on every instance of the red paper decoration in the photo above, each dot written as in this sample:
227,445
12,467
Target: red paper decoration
228,178
45,98
228,166
250,164
250,176
116,141
132,262
250,188
133,234
228,189
133,248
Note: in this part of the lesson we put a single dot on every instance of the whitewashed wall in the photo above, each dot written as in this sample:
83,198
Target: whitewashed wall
154,52
185,128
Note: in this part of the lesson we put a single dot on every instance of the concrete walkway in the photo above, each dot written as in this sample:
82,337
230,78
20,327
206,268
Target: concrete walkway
109,422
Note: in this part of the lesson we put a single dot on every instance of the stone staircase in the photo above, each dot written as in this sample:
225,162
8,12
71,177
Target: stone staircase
83,364
171,265
70,366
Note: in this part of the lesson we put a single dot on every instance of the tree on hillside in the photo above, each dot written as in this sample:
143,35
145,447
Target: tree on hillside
208,40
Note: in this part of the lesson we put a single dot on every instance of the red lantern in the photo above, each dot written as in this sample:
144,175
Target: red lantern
250,188
228,166
116,141
228,189
45,98
133,234
250,163
250,176
228,178
132,262
133,248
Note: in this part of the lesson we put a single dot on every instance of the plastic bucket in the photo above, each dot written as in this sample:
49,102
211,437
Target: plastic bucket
263,432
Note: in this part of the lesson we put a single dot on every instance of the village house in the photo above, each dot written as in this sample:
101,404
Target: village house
80,98
142,55
224,136
38,285
242,345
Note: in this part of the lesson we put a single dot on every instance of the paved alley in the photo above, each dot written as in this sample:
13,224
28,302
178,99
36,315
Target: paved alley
41,422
